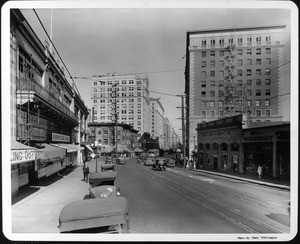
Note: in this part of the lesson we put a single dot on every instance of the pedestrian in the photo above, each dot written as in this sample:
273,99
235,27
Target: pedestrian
259,171
83,170
87,172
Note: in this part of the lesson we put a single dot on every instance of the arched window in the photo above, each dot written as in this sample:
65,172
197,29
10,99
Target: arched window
234,147
215,146
224,146
207,146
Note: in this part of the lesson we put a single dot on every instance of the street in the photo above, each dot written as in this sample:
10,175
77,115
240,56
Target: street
171,201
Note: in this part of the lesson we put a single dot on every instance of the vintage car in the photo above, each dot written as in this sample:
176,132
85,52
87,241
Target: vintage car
107,167
107,179
149,161
160,163
109,159
171,163
120,160
101,215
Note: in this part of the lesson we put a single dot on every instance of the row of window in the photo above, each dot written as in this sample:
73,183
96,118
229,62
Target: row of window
215,146
123,100
239,62
117,82
232,40
239,72
249,51
258,93
258,113
239,83
250,103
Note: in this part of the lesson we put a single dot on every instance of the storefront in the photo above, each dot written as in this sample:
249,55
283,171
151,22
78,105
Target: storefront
22,165
50,160
267,145
74,154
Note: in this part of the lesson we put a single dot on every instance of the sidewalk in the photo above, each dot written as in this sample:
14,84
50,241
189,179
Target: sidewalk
36,208
282,184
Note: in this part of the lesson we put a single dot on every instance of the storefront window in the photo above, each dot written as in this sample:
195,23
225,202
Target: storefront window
235,147
215,146
207,146
224,146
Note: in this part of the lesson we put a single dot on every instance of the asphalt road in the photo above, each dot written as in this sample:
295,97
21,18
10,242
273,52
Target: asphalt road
183,201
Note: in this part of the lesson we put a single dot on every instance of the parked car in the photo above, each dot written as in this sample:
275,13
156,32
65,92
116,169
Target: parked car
105,178
160,163
120,160
101,215
107,167
148,161
171,163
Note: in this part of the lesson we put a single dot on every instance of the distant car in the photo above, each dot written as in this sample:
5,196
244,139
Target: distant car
107,167
160,163
120,160
148,161
171,163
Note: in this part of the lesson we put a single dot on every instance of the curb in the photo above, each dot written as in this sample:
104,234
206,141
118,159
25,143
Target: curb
245,179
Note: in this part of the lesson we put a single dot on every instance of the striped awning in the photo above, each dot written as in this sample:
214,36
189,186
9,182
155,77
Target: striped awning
49,152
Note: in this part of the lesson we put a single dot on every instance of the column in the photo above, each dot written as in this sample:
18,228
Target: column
275,168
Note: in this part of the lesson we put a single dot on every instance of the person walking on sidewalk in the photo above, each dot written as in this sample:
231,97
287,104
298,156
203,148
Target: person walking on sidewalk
259,171
86,172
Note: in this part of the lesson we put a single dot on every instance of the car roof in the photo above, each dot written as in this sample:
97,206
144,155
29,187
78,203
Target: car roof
107,165
91,213
103,175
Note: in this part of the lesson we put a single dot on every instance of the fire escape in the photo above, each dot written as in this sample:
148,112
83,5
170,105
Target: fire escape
232,96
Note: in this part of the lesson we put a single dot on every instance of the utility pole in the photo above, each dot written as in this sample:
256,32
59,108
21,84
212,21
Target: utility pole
183,130
115,115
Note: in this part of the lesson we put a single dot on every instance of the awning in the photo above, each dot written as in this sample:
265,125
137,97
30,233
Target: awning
69,147
88,147
49,152
21,153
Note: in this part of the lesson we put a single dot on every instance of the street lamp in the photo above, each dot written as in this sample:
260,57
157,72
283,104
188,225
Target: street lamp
95,146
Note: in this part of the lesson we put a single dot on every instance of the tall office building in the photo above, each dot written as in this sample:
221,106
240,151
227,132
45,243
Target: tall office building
124,96
233,71
157,120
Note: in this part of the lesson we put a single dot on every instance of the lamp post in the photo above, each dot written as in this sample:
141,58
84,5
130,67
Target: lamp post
95,146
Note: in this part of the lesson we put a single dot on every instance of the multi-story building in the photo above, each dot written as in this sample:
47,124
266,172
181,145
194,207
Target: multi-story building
166,133
48,116
106,134
157,120
233,71
126,96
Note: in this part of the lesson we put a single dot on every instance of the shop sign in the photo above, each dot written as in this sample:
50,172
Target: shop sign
257,138
20,156
60,137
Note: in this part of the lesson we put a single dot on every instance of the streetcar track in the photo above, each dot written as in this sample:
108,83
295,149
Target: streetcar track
160,178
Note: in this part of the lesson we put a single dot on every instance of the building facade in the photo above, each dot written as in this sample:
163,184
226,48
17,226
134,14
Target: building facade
121,99
48,116
226,145
157,120
233,71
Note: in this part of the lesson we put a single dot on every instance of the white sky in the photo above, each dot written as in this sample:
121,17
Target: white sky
134,40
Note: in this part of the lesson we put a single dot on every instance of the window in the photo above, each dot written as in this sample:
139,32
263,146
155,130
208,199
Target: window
221,73
258,39
221,63
212,93
267,103
268,50
268,71
230,41
249,51
258,51
249,103
212,104
249,61
212,73
213,42
203,73
268,92
239,82
203,104
203,42
249,39
240,62
258,61
268,60
95,101
203,113
95,83
212,53
240,40
268,82
249,93
268,112
258,92
203,54
212,63
258,112
249,72
258,71
239,72
240,52
221,41
203,64
212,113
203,83
212,83
258,82
268,38
257,103
249,82
203,94
222,52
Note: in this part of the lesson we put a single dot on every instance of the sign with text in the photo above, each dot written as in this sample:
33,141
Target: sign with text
21,156
60,137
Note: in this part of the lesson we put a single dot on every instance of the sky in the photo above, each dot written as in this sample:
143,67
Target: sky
142,40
